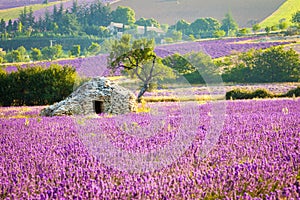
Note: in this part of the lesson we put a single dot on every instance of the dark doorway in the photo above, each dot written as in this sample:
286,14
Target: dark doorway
98,107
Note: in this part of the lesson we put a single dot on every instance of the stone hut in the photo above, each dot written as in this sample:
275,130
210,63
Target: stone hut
96,96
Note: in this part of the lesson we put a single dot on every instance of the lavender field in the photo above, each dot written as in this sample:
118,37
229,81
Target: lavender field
256,156
97,65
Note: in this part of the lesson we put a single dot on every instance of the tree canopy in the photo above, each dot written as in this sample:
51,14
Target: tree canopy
124,15
229,25
138,60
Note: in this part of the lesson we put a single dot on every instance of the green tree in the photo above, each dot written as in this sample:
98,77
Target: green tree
23,53
219,33
229,25
36,54
23,17
268,29
276,65
138,60
176,35
9,26
94,49
199,26
124,15
179,64
182,26
147,22
53,52
296,18
244,31
271,65
13,56
20,27
2,26
213,24
69,25
256,27
75,51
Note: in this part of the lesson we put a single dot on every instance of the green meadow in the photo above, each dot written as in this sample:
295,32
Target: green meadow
13,13
285,11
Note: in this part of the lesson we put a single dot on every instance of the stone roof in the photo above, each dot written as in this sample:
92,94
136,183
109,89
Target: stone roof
113,98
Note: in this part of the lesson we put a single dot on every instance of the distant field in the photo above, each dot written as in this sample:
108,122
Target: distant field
5,4
170,11
285,11
13,13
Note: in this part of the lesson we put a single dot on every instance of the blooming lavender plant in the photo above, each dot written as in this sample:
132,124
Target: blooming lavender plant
256,157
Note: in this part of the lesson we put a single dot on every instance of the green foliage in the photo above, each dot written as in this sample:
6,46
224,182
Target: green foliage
229,25
52,52
271,65
41,42
94,49
36,54
36,85
219,33
182,26
75,51
124,15
138,60
147,22
293,92
206,70
296,17
179,64
246,94
239,93
195,67
243,32
256,27
204,27
18,55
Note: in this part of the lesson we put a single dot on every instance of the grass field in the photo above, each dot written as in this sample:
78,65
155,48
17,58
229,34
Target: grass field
285,11
13,13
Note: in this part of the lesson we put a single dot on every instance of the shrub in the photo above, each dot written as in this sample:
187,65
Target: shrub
246,94
293,92
238,94
262,93
35,85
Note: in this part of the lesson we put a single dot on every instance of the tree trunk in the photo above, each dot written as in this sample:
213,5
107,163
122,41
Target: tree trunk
142,91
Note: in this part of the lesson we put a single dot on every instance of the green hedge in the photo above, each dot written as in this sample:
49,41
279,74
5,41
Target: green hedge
40,42
259,93
36,85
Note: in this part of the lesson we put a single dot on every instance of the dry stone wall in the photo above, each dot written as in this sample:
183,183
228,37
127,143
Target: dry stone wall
98,95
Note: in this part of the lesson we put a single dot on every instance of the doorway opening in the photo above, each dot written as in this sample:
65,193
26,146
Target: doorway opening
98,107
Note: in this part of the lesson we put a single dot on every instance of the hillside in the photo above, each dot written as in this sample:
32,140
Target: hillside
170,11
6,4
285,11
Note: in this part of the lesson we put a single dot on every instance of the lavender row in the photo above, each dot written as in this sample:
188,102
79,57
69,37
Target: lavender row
256,156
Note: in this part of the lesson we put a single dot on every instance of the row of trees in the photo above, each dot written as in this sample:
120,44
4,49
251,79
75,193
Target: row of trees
93,19
86,19
47,53
208,27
